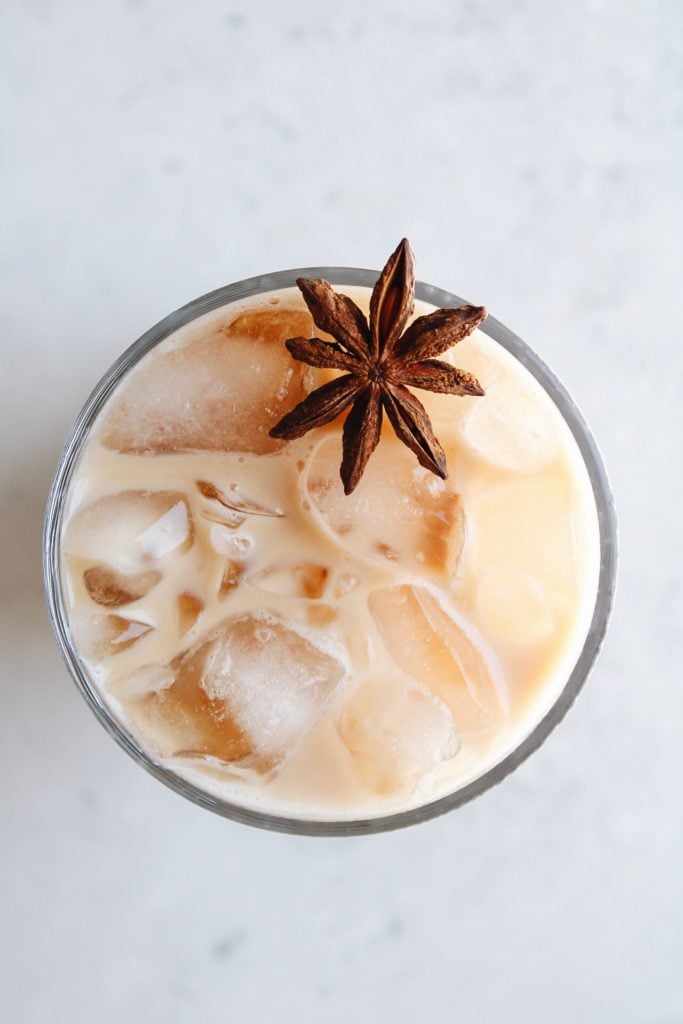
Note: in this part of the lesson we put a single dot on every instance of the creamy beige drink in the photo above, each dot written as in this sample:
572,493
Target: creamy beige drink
304,652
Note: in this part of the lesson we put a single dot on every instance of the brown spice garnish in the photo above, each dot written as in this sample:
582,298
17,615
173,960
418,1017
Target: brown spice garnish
380,358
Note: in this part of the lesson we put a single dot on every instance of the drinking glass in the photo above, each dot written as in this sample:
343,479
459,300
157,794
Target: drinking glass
78,437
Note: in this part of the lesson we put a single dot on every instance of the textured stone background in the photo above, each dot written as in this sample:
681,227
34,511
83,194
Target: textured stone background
532,151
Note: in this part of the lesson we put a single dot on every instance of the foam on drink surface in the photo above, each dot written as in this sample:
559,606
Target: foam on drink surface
306,653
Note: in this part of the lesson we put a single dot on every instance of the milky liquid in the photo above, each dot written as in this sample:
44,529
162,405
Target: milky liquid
305,653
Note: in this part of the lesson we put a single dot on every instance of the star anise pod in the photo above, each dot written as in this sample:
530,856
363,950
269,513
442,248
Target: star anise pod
380,359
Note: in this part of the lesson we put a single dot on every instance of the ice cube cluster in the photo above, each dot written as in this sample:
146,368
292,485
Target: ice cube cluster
225,643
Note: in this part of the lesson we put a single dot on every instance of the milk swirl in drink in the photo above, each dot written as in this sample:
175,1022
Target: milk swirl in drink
299,651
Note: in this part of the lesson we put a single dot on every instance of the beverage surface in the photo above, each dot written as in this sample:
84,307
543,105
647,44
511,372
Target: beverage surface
303,652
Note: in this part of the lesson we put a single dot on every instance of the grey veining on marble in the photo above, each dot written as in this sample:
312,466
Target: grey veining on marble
532,151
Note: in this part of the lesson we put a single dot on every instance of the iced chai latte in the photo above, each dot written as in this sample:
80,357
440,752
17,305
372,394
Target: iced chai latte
299,650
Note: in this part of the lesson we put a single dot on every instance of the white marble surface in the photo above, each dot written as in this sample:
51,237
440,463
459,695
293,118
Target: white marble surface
532,152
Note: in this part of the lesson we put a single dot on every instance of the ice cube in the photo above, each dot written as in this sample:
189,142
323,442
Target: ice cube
303,579
167,534
528,527
142,681
226,542
180,719
252,686
100,636
223,516
511,427
233,501
221,390
396,733
190,608
320,614
131,531
346,584
514,606
399,511
230,580
114,589
436,651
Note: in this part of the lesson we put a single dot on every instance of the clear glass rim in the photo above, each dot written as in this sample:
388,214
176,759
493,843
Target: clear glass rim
604,502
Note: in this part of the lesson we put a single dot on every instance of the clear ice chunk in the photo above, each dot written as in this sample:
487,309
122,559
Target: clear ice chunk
233,501
346,584
223,516
190,608
399,511
253,686
436,651
396,733
131,531
100,636
113,589
303,579
231,578
320,615
226,542
202,394
511,428
167,534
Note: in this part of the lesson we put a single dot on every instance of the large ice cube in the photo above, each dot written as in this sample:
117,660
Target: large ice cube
141,682
253,686
399,511
222,390
396,733
435,650
131,531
